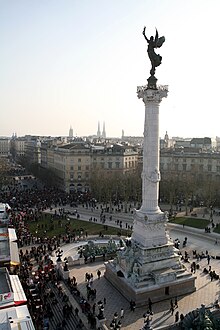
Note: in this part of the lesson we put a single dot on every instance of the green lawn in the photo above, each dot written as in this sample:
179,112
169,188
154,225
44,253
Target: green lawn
191,222
79,226
59,226
217,230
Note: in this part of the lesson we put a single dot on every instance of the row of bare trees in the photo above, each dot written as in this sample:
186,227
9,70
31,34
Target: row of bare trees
114,187
175,188
188,189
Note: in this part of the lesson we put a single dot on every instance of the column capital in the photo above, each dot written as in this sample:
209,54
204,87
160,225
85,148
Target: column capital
155,95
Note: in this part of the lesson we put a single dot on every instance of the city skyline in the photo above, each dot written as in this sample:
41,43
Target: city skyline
75,63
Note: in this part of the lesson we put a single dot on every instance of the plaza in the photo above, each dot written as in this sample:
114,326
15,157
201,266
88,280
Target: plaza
207,291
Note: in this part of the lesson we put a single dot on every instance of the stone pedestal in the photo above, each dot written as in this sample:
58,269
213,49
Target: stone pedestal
150,267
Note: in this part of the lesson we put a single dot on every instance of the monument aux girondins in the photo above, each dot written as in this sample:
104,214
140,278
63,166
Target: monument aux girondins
150,266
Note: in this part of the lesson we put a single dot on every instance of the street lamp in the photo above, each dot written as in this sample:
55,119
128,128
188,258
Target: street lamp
147,320
115,324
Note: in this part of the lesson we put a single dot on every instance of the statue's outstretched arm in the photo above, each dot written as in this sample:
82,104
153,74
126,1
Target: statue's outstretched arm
145,34
156,37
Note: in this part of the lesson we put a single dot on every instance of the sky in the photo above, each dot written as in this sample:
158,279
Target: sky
78,62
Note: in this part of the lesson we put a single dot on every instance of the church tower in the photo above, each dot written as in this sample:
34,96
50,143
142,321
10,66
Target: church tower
166,139
98,132
103,131
71,132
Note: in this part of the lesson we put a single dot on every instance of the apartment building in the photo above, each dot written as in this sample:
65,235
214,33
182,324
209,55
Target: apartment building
4,147
75,163
191,162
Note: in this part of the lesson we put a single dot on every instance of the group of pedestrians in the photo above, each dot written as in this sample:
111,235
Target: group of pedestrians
41,284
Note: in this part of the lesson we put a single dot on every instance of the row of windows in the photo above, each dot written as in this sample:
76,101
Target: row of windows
79,167
194,160
79,176
185,167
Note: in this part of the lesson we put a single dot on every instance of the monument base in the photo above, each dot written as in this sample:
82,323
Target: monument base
184,284
149,266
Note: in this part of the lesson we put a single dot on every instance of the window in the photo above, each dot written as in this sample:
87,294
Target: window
184,167
87,167
71,168
109,164
79,168
79,160
209,168
218,168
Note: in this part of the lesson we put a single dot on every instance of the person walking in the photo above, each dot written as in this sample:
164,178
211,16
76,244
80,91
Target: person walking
98,273
122,313
132,305
177,317
208,258
76,311
150,305
171,306
175,303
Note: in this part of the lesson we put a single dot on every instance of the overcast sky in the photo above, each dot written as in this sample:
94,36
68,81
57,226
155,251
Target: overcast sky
73,63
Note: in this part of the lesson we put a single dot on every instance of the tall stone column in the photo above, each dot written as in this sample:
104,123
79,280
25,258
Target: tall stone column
151,148
149,220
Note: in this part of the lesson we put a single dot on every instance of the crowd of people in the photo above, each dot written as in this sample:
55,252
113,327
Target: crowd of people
38,274
41,284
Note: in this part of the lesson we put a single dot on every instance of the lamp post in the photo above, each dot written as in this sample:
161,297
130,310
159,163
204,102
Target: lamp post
115,323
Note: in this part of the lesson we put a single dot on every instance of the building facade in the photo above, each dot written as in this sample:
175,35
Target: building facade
76,162
4,147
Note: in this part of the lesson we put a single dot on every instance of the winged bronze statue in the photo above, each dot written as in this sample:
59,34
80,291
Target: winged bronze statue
154,42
